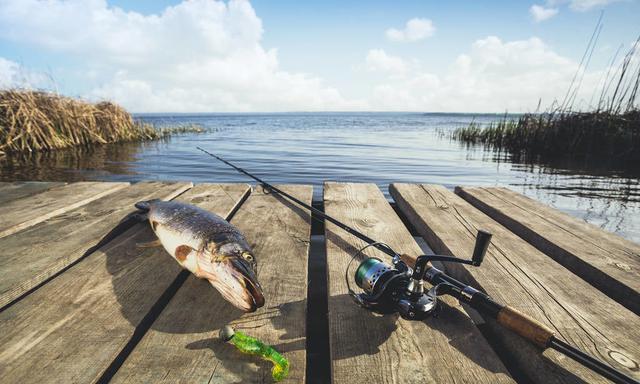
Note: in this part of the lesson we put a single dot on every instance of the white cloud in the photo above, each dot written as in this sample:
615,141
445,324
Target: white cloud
585,5
493,76
13,75
540,13
550,8
206,55
415,29
8,71
378,60
200,55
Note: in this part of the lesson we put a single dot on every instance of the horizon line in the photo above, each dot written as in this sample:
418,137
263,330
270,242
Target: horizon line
332,112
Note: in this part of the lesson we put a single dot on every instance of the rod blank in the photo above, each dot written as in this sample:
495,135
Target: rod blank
482,242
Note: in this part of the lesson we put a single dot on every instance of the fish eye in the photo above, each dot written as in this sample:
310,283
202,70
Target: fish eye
247,256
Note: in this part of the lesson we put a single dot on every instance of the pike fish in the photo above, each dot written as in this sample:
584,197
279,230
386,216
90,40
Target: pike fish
208,246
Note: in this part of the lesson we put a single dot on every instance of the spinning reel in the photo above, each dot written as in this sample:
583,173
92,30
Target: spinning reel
400,288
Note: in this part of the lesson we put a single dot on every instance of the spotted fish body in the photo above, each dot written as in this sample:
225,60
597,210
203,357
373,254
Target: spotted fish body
209,247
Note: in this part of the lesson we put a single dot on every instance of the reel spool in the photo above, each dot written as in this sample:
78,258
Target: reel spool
398,288
371,272
388,290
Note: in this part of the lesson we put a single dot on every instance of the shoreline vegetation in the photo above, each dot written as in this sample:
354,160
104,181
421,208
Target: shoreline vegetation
597,135
33,121
609,133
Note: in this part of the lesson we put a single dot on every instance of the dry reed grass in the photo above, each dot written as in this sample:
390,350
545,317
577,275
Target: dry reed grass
41,121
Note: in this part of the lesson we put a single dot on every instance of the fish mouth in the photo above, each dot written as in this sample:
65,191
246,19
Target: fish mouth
244,271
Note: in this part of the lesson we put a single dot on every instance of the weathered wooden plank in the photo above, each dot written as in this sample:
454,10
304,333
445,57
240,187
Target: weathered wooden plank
516,273
22,213
605,260
367,348
182,345
31,256
20,189
72,328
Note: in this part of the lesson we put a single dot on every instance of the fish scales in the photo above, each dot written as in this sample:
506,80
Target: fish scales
201,223
208,246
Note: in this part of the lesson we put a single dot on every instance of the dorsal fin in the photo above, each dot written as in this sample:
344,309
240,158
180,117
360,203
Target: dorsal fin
144,206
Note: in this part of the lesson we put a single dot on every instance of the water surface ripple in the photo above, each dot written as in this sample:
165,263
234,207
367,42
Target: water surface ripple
310,148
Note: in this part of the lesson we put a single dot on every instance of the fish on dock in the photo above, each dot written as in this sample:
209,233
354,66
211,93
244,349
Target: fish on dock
208,246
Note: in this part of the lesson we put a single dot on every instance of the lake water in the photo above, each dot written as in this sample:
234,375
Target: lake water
357,147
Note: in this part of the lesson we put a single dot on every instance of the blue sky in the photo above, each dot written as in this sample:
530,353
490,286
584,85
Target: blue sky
273,55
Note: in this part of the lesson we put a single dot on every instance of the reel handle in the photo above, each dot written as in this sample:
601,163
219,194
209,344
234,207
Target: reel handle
483,238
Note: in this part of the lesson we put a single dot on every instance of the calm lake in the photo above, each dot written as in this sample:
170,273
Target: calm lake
358,147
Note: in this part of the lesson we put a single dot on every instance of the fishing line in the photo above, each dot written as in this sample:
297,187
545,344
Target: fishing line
352,293
398,288
384,248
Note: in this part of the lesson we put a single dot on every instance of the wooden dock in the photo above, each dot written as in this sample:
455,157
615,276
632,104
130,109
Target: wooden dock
82,302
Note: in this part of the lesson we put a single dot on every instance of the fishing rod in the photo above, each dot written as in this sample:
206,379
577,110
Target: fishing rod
399,288
382,247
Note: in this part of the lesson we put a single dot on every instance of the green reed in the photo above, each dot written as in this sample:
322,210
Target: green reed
610,130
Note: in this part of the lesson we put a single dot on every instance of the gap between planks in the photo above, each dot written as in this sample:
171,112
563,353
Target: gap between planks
517,274
279,235
605,260
17,190
369,348
37,254
72,328
25,212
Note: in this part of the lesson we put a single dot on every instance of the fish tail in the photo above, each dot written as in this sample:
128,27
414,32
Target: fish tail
145,206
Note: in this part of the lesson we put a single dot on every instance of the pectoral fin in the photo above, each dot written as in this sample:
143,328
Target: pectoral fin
150,244
182,251
188,258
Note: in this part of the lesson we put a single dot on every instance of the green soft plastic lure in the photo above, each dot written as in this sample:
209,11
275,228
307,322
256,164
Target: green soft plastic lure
253,346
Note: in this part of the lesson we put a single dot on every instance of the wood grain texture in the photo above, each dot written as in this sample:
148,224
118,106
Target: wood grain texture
183,345
31,256
605,260
72,328
517,274
20,189
368,348
22,213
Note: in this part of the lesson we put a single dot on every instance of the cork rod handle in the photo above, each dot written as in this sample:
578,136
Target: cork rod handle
525,326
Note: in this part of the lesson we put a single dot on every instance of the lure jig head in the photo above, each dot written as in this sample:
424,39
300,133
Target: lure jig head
253,346
402,290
